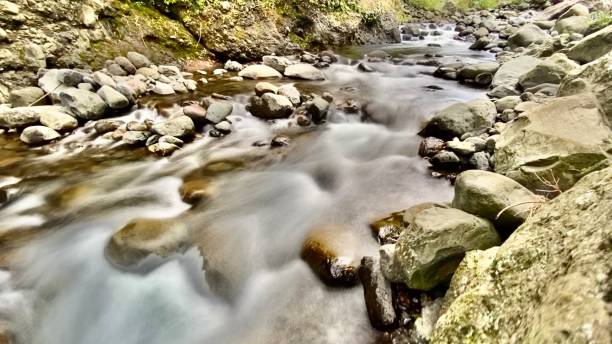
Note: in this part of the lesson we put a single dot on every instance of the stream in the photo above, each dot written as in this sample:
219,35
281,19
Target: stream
71,197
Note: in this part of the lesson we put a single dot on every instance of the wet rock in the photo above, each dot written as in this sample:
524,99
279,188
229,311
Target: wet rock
196,112
163,89
104,126
38,134
86,105
291,93
113,98
280,141
377,292
265,87
461,118
552,71
138,60
526,35
431,146
432,247
388,229
260,72
147,237
233,66
560,141
270,106
592,46
137,126
471,71
363,67
548,281
330,253
218,111
136,138
197,191
303,71
279,63
317,108
27,96
179,127
446,160
58,120
163,148
486,194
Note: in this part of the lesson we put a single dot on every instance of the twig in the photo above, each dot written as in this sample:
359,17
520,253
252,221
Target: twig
515,205
45,95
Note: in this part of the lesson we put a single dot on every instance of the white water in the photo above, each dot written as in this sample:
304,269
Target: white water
348,172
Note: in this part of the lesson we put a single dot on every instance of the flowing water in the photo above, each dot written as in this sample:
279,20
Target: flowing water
71,197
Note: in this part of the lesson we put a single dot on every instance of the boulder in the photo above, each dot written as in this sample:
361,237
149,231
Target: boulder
259,72
50,83
38,134
104,79
303,71
594,77
291,93
432,247
178,127
592,46
279,63
509,73
270,106
558,142
141,238
551,71
377,293
547,283
113,98
576,10
138,60
233,66
85,104
471,71
163,148
26,96
196,112
461,118
218,111
573,25
20,117
526,35
163,89
70,77
104,126
486,194
58,120
505,103
265,87
126,64
136,137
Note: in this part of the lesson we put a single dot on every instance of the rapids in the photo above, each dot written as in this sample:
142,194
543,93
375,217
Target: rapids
62,290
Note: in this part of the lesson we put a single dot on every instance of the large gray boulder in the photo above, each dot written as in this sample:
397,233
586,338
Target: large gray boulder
592,46
550,71
486,194
38,134
304,71
555,143
526,35
85,104
259,72
178,127
461,118
472,71
431,248
594,77
509,73
576,10
548,283
270,106
573,25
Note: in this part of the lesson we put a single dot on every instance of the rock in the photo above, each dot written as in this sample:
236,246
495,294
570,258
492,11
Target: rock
509,73
547,282
503,91
471,71
303,71
270,106
126,65
163,89
463,148
479,161
378,54
576,10
113,98
560,141
170,71
38,134
430,250
545,24
552,71
50,83
573,25
486,194
291,93
181,126
259,72
69,77
104,79
88,17
481,32
3,35
389,266
34,56
197,191
104,126
546,89
505,103
147,237
377,292
446,160
478,142
148,72
136,137
363,67
279,63
224,127
86,105
526,106
218,111
265,87
461,118
58,120
593,78
196,112
26,96
163,148
592,46
116,70
318,108
388,229
138,60
329,251
526,35
431,146
233,66
137,126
